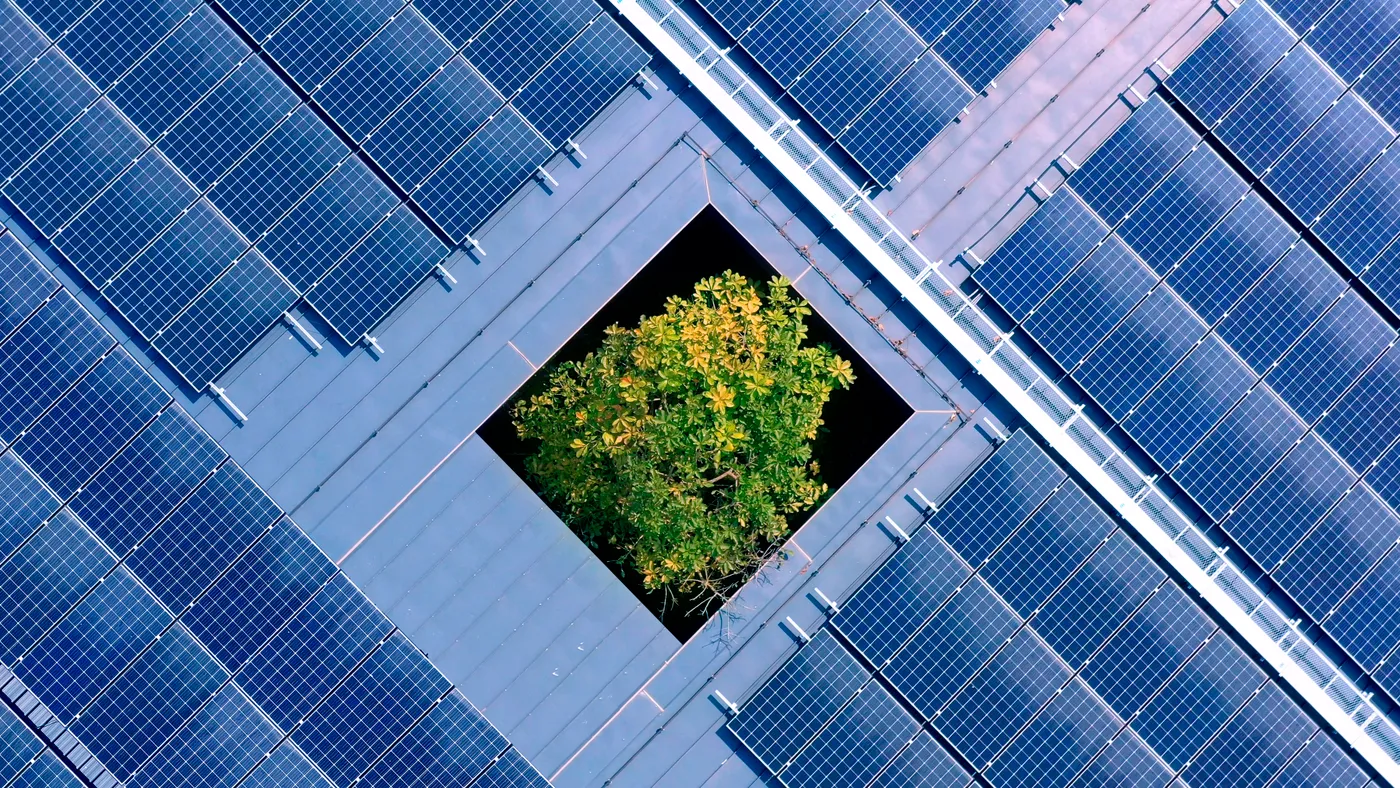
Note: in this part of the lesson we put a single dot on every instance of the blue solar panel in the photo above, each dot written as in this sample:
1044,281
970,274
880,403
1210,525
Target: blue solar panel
905,118
860,740
905,591
43,580
377,274
1241,449
24,284
1188,402
1059,742
1367,624
1383,277
1354,33
109,41
47,772
1367,216
327,223
1321,762
1351,427
1002,697
426,131
401,57
796,32
1182,209
1098,599
1091,300
991,34
1279,309
38,105
57,183
806,692
1380,87
260,17
1046,549
18,746
1254,745
511,771
170,273
282,168
225,320
149,702
857,68
1290,501
286,768
522,39
260,593
20,42
736,16
1128,164
951,647
1316,170
480,175
227,122
1139,351
1224,67
43,358
90,646
1231,257
185,66
1348,541
203,536
220,745
931,18
447,748
1280,108
1330,356
374,707
1301,15
324,34
1198,700
456,20
1003,491
126,217
1150,646
580,80
924,764
318,648
1126,763
24,504
89,425
1039,254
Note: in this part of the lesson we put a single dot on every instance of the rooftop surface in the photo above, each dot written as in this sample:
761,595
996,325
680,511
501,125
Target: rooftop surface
285,557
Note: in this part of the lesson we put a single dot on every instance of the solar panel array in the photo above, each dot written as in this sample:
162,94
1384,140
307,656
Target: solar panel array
165,610
1021,639
205,166
884,79
1231,302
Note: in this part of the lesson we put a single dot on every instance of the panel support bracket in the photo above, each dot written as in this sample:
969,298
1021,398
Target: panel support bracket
441,272
373,344
301,331
222,396
796,631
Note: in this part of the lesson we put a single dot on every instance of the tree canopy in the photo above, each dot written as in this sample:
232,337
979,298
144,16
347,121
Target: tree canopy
686,442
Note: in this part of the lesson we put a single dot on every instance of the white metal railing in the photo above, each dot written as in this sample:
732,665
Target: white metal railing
1038,400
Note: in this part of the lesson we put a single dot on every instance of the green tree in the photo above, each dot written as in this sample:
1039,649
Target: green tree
686,442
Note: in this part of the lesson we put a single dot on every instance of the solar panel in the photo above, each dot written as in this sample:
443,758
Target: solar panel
579,81
1060,741
1354,33
25,503
46,355
1321,762
1129,163
456,20
1365,624
47,772
1292,96
110,39
1351,426
1338,552
24,284
1292,498
218,746
1316,170
1224,67
991,34
41,581
1126,763
1278,310
899,597
859,741
857,68
286,768
1331,356
517,44
327,223
904,119
925,764
1024,269
1380,86
1182,209
795,32
1232,256
1254,745
1090,301
1233,457
1383,277
1367,215
448,747
804,694
38,105
511,771
17,745
1098,599
323,34
20,42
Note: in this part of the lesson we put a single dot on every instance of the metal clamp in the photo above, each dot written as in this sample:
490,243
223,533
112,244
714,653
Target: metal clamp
222,396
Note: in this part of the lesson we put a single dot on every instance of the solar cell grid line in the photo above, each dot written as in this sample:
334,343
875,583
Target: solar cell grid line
117,33
864,62
1350,426
736,17
285,766
1365,624
794,33
38,105
18,745
1234,255
20,41
1183,208
25,504
1127,165
511,770
1366,217
323,34
457,21
859,741
1127,762
1344,341
47,771
1317,168
1036,257
905,118
219,745
260,18
1320,762
1354,33
25,285
805,693
450,746
1255,745
43,358
1337,553
1279,108
1380,86
518,43
42,580
594,67
923,763
1231,60
1280,308
1382,276
984,41
1062,739
908,588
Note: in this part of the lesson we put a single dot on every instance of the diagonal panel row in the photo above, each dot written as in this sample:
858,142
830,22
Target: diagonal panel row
204,177
1021,636
166,611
